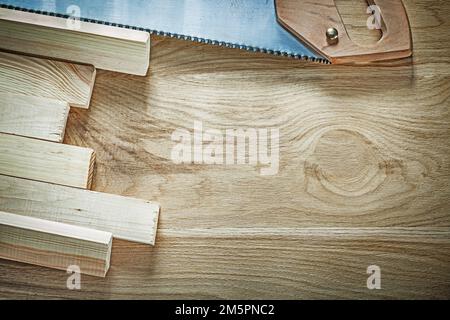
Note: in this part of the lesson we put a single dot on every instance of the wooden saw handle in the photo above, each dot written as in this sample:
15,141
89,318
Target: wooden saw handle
310,20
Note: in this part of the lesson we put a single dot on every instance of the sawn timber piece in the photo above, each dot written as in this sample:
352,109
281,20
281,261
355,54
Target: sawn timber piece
126,218
105,47
54,245
68,82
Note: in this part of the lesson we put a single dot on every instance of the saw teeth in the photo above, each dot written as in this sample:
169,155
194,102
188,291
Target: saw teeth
177,36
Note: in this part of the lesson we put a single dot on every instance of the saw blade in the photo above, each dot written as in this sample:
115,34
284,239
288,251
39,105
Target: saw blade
245,24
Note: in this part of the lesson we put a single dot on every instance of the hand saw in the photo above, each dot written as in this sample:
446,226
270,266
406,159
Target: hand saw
303,29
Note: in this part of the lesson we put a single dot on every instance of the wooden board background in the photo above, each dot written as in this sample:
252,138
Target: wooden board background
364,175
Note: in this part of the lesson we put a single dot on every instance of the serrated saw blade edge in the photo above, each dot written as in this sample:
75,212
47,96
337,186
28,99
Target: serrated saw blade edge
243,24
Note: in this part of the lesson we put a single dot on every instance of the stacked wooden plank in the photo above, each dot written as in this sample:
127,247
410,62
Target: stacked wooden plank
105,47
48,215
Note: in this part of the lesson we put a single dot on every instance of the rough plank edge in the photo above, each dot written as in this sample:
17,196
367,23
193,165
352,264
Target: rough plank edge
91,89
67,233
63,129
91,170
155,224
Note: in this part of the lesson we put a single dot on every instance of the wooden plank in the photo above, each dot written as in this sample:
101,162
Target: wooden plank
44,78
33,117
54,245
46,161
105,47
126,218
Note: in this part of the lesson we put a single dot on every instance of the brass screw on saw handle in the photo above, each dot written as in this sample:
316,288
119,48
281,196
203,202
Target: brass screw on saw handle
332,36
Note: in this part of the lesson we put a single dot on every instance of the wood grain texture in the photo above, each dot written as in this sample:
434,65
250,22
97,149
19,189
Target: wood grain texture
105,47
126,218
71,83
364,175
33,117
46,161
54,245
260,263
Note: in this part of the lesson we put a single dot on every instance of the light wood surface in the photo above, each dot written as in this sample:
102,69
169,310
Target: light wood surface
364,175
105,47
33,117
54,245
46,161
126,218
71,83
